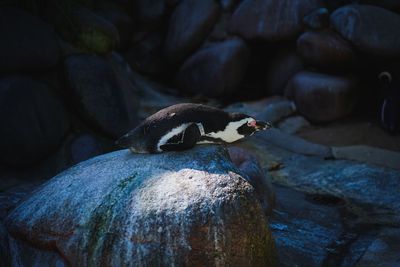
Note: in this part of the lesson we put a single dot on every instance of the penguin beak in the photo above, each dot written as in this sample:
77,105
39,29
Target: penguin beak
260,125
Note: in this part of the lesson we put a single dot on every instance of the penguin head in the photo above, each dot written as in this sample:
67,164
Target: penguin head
247,125
385,78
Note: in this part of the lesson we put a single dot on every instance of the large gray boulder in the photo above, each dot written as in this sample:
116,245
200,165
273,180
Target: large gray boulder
120,209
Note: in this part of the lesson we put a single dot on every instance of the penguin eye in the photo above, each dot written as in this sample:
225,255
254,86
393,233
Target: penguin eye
385,77
252,123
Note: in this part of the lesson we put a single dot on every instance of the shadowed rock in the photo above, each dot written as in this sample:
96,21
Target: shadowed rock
23,40
146,55
271,20
388,4
371,29
317,19
384,249
249,165
324,97
216,70
121,209
90,31
120,19
228,5
325,50
102,92
189,25
282,68
33,121
371,192
147,12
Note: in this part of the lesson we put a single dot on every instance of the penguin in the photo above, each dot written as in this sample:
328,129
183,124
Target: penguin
390,110
182,126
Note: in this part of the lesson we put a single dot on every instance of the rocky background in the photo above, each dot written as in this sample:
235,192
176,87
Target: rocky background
76,75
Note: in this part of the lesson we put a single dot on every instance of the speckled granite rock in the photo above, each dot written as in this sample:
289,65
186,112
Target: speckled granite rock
121,209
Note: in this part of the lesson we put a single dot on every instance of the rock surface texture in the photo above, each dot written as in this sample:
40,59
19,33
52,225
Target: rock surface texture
323,97
120,209
91,32
325,50
216,70
271,20
329,212
371,29
190,23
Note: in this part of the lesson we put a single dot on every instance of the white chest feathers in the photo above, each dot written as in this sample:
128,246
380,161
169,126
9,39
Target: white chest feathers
230,134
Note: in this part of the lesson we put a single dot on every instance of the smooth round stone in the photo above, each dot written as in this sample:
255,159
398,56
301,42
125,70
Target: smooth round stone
323,97
326,50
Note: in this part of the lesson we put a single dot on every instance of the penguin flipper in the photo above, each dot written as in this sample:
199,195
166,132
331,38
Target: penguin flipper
185,140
